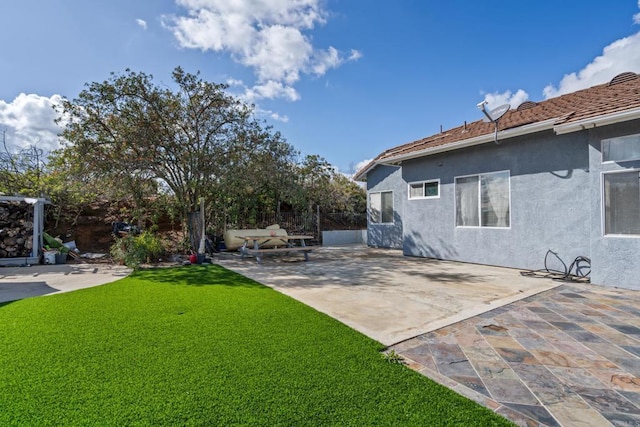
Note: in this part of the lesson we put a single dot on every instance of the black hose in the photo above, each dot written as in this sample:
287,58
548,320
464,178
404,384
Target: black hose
581,264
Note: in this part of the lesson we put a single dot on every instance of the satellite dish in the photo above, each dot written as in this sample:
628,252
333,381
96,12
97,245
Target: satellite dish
495,114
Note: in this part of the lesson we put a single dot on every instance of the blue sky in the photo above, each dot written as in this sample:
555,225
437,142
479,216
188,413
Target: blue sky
345,79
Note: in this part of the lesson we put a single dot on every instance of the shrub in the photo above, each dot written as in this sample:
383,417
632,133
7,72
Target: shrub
135,250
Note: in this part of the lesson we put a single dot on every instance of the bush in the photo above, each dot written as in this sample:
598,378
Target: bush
135,250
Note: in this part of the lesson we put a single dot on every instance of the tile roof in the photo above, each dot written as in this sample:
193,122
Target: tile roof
622,93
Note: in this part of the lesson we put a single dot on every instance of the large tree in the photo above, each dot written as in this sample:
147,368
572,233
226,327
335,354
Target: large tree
194,139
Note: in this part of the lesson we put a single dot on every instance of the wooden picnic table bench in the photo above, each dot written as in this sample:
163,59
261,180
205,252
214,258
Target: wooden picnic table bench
277,244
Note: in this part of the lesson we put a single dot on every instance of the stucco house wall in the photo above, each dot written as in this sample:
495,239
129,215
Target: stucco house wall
549,190
615,260
386,178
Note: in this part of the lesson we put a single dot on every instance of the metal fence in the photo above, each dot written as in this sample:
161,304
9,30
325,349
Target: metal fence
305,222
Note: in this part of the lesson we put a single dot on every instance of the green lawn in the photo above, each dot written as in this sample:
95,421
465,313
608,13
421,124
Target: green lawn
203,346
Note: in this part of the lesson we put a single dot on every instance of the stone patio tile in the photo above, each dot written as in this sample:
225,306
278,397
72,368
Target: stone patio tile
492,329
535,412
592,313
482,352
474,383
629,309
524,314
592,361
517,356
629,364
534,342
510,391
566,326
553,358
571,348
480,398
451,360
625,329
622,420
576,377
583,336
503,342
607,401
607,376
631,396
538,325
552,316
517,417
546,387
494,370
607,350
578,417
468,337
626,382
554,335
612,335
635,350
425,360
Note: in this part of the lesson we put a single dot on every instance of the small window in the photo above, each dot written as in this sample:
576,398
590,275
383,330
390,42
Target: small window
621,149
381,207
483,200
424,189
621,196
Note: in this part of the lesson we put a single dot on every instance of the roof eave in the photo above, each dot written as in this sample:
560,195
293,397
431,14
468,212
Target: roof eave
592,122
478,140
361,176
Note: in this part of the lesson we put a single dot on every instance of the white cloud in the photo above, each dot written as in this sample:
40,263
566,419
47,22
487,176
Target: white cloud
29,121
514,99
355,55
618,57
142,23
362,164
270,89
636,17
279,117
269,36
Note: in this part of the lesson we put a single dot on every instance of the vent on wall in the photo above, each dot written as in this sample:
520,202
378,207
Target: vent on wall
623,77
526,105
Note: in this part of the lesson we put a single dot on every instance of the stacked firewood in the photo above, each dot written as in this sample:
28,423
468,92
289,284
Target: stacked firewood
16,229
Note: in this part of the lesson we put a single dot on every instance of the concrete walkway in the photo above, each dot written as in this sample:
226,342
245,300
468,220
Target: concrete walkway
23,282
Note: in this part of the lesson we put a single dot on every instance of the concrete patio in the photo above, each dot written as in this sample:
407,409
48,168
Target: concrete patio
385,295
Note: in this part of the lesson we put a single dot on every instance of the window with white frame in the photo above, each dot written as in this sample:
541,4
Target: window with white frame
424,189
483,200
381,207
621,197
621,149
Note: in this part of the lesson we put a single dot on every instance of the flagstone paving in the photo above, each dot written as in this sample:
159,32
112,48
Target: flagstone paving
569,356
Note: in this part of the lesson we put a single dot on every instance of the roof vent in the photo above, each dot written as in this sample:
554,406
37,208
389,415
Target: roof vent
526,105
623,77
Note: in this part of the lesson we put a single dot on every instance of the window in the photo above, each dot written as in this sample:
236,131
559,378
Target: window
483,200
381,207
622,203
424,189
621,149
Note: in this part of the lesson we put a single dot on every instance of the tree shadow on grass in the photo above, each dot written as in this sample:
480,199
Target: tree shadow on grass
197,275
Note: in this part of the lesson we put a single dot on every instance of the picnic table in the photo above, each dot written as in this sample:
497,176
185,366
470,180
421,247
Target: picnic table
277,244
